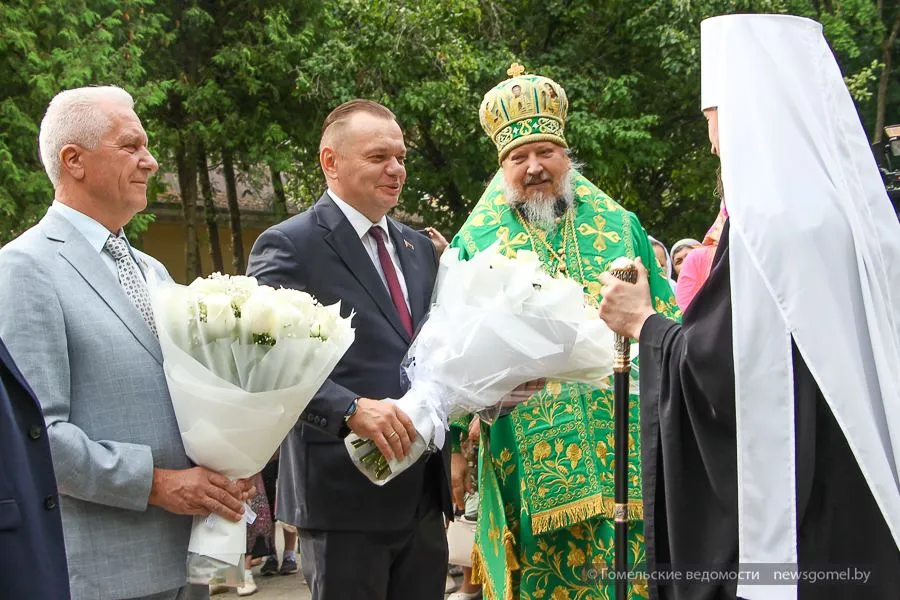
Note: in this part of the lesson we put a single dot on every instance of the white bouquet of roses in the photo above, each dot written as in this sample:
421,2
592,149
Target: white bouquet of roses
495,324
242,361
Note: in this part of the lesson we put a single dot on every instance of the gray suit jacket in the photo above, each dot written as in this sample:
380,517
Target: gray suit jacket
96,369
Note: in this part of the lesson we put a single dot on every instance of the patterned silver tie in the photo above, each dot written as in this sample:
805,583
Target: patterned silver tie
131,279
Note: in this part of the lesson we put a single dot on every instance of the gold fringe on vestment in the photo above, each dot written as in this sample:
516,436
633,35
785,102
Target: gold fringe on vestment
573,513
479,569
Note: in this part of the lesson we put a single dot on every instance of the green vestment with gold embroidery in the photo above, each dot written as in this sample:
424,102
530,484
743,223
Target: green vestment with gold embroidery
546,470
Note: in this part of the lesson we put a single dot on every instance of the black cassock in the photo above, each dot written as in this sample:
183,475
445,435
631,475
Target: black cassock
689,454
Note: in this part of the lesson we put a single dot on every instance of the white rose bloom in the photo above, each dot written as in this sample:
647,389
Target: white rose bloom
241,288
259,314
214,284
293,321
220,320
325,325
244,282
306,309
296,297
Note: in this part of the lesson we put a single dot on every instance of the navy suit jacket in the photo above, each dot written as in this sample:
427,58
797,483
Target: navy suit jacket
33,563
319,252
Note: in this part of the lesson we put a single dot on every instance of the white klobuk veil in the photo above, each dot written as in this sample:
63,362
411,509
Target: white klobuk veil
815,256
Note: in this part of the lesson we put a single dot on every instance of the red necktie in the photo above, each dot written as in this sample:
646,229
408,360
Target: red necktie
393,282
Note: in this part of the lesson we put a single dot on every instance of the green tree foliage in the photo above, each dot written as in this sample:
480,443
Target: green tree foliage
46,47
254,80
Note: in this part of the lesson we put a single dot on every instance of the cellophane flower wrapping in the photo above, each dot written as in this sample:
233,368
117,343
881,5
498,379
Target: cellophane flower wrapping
495,323
242,361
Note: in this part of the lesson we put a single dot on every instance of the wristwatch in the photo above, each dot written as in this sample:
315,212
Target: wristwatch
351,410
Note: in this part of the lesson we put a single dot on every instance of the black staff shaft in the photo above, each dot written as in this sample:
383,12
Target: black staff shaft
621,484
621,384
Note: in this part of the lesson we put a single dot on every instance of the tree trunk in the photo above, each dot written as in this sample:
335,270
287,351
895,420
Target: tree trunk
452,194
886,54
279,202
234,214
209,211
186,163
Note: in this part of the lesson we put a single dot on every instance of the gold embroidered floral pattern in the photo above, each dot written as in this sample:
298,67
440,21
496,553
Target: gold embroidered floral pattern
573,453
504,465
574,563
541,451
545,409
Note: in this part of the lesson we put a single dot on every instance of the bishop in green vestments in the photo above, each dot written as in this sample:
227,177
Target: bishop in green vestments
546,469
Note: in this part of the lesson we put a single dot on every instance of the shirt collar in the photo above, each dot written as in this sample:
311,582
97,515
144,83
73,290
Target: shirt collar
360,222
95,233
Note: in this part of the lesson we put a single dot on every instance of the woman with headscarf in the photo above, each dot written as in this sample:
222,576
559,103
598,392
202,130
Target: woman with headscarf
679,252
663,259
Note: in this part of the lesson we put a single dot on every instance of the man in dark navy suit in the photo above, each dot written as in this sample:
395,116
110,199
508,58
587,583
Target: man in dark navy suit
360,541
33,563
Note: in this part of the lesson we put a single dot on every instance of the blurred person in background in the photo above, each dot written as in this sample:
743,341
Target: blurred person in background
680,250
698,262
663,259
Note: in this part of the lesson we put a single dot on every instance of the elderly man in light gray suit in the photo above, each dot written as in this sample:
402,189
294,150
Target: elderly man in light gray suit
75,314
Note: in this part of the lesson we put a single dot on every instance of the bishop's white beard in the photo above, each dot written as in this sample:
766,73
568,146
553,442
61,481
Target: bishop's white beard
540,209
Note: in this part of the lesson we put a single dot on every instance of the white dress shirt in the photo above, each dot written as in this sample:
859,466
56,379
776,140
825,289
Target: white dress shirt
361,224
95,234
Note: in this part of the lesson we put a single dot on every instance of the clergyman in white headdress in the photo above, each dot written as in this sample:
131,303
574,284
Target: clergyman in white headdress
770,419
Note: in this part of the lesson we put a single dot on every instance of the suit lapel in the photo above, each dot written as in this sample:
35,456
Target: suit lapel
346,244
87,262
408,253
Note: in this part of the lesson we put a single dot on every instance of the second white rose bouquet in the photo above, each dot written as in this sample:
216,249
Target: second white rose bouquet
242,361
495,323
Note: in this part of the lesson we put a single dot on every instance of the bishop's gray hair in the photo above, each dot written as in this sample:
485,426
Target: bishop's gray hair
76,116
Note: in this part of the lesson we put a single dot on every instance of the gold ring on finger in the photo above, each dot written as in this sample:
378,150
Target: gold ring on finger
393,435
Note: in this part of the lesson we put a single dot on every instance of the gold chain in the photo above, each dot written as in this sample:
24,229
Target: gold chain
560,255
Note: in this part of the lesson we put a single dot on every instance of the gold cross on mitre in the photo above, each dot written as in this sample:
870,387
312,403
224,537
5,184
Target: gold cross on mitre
515,70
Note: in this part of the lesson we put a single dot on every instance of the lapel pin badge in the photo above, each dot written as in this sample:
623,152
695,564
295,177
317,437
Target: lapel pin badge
409,245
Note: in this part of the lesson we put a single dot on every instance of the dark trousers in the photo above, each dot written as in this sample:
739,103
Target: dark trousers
410,564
